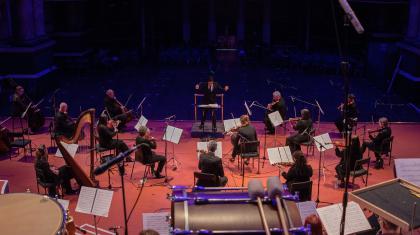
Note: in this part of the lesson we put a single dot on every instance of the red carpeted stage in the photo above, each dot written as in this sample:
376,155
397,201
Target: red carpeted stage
21,175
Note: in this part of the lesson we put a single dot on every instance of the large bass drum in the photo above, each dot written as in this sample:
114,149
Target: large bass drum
27,213
229,215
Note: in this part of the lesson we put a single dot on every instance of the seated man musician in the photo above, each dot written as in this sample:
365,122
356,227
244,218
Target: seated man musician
115,109
351,110
150,156
209,89
209,163
375,144
50,174
107,129
63,124
277,104
245,133
303,127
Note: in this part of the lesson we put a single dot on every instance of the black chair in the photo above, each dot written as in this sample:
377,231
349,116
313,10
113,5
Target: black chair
206,180
386,148
310,144
139,157
360,171
248,150
304,189
41,180
20,137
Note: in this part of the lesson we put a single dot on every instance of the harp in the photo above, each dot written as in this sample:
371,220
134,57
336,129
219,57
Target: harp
86,118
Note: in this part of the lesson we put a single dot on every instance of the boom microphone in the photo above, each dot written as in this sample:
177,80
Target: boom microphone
121,156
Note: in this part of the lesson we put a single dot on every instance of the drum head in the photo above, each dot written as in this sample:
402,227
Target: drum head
27,213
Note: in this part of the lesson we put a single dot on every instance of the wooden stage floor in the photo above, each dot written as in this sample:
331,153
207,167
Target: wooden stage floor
21,175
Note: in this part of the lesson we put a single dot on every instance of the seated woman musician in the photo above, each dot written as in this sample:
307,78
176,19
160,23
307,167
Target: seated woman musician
52,175
303,127
300,171
355,154
246,133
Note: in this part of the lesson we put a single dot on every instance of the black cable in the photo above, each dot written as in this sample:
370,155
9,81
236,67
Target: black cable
137,200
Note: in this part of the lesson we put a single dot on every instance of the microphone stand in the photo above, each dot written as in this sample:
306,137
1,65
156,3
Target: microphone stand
256,104
121,170
320,111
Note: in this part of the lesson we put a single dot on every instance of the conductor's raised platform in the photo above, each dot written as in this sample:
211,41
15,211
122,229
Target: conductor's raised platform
207,131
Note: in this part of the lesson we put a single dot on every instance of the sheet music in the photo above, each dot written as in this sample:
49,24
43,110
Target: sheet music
156,221
94,201
203,146
229,124
408,169
355,219
71,149
275,118
273,155
142,122
64,203
279,155
172,134
286,154
325,140
306,209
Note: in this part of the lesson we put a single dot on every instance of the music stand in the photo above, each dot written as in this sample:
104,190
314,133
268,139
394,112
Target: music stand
173,135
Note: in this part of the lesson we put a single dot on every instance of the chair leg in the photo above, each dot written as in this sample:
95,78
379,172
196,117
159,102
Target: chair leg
132,169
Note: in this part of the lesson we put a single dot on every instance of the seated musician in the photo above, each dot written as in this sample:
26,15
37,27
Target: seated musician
245,133
107,129
355,154
375,143
388,228
351,114
303,127
115,109
20,102
300,171
209,89
150,156
63,124
209,163
62,175
277,104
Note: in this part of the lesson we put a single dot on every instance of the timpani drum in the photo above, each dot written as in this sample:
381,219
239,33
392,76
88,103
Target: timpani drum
27,213
233,216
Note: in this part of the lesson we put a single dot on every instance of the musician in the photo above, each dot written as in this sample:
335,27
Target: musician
355,154
209,90
20,102
277,104
107,129
150,156
303,127
388,228
115,109
245,133
351,113
63,124
209,163
300,171
375,143
50,174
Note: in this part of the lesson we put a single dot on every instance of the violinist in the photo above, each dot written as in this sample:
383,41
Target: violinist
375,143
116,109
245,133
150,156
21,103
107,129
355,154
63,124
351,113
303,126
277,104
209,163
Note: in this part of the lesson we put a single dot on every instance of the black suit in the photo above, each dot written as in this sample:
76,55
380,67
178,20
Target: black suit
341,166
351,115
245,134
48,176
278,106
149,155
106,139
209,98
296,175
296,139
115,111
209,163
63,125
376,142
19,105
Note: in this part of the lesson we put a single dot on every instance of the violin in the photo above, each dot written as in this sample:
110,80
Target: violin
270,105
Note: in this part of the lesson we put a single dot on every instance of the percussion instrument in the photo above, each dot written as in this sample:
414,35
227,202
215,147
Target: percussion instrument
228,212
27,213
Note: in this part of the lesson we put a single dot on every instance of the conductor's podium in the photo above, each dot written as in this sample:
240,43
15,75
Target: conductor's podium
207,131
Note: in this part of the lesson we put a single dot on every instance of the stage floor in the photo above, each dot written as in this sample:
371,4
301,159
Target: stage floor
21,175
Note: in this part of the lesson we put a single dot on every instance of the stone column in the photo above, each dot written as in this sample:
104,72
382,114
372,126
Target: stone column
212,22
413,20
38,14
186,26
266,28
240,26
24,30
5,21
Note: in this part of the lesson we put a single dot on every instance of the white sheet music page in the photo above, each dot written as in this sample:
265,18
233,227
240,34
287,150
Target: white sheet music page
325,140
156,221
273,155
102,202
86,200
408,169
176,135
168,133
229,124
286,155
275,118
142,122
306,209
71,149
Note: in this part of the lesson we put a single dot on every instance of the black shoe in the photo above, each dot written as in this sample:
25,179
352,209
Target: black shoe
159,176
379,164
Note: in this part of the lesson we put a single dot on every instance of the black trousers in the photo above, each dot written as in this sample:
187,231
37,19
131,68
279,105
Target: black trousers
119,145
341,171
65,174
212,114
371,146
161,162
295,140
